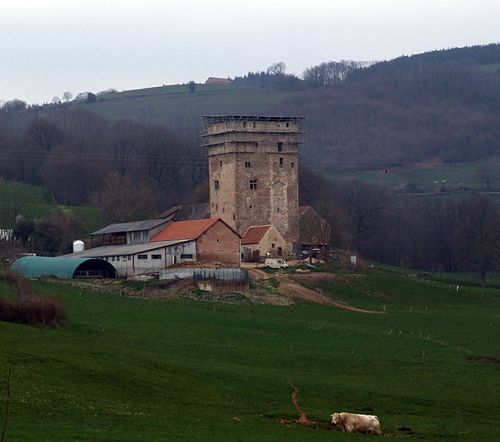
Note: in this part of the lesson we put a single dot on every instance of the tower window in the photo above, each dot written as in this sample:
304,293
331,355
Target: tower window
220,163
277,209
292,165
281,161
280,146
216,184
287,124
254,124
248,164
253,184
234,216
244,124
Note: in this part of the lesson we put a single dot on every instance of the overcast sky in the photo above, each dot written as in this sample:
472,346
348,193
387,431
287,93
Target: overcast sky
51,46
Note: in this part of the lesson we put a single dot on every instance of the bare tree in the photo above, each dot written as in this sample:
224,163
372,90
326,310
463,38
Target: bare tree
278,68
479,235
67,96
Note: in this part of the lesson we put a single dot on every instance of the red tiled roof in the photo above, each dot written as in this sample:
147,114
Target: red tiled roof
254,234
179,230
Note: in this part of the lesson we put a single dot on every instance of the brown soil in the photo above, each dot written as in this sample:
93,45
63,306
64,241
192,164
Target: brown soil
258,274
316,276
484,359
298,292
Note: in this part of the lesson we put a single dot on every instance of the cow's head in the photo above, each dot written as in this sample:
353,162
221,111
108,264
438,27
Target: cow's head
335,418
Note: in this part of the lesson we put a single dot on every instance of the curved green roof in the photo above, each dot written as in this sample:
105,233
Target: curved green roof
38,266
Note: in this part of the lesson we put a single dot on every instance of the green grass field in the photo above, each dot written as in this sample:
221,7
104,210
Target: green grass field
33,202
448,176
176,108
131,369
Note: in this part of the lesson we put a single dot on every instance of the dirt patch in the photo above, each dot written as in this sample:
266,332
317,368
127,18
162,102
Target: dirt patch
298,292
484,360
258,274
317,277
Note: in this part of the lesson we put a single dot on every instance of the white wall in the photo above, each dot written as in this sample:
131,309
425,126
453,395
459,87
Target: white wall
131,265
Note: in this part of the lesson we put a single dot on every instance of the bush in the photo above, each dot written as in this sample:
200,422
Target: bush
34,310
10,277
29,308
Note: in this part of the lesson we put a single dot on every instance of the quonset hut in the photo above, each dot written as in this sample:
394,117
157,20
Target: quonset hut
66,268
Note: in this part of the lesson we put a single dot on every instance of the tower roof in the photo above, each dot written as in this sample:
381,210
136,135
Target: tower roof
221,118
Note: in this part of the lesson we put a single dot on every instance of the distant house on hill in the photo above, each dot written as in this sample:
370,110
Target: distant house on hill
217,80
261,241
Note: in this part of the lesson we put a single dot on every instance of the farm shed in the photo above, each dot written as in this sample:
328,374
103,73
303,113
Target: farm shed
67,268
261,241
137,232
142,259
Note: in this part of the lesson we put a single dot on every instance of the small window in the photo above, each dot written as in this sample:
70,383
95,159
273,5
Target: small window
248,164
272,246
281,161
277,209
155,256
244,124
142,256
253,184
187,256
234,216
292,165
223,210
217,207
220,163
254,125
250,206
216,184
256,144
287,124
129,258
280,146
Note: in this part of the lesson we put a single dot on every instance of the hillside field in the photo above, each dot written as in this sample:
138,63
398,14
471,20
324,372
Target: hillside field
34,202
428,177
135,369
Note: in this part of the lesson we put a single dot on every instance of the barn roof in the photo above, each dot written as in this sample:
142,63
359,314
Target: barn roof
185,230
131,227
187,212
123,249
254,234
62,267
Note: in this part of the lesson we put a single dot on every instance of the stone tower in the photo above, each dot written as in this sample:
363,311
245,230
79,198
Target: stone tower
253,169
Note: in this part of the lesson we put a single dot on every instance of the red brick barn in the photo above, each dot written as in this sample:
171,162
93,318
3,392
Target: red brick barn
215,240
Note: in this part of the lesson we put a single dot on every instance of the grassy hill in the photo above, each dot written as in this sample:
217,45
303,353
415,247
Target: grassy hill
136,369
34,202
430,177
176,108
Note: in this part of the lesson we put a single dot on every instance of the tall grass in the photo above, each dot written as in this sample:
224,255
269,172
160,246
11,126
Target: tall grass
28,307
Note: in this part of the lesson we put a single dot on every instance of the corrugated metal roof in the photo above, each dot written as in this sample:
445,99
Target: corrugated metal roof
131,227
62,267
120,250
187,212
254,234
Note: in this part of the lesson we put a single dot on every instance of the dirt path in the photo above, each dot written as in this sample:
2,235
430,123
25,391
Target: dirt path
294,290
258,274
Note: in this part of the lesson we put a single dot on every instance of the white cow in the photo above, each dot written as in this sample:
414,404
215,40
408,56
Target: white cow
356,423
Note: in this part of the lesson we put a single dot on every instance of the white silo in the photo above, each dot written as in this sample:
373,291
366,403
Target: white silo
78,246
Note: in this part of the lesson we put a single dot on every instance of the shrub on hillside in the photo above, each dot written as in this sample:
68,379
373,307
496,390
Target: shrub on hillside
34,310
10,277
